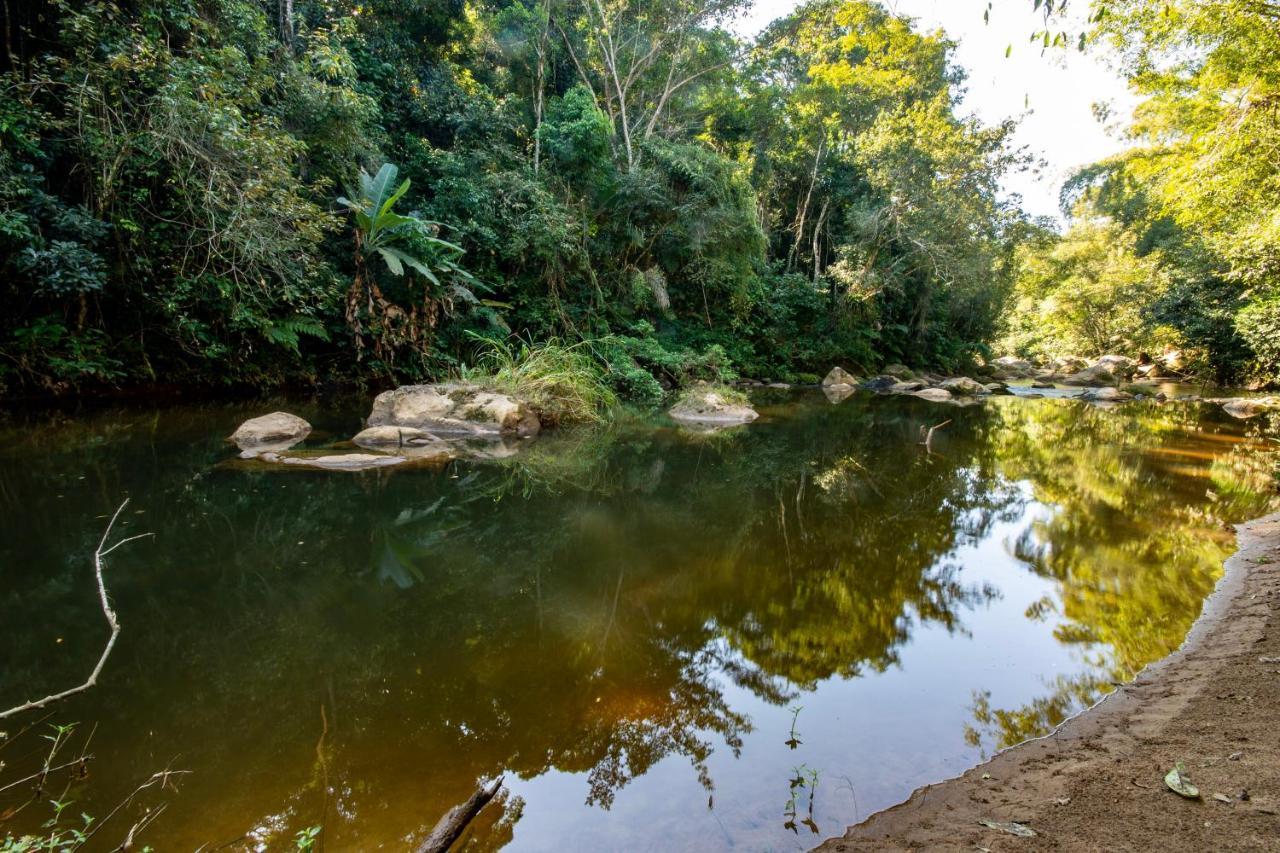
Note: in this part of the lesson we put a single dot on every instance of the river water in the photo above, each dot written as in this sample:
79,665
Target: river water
665,640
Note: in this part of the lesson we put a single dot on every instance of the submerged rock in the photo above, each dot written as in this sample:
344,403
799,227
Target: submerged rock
344,461
1040,383
905,387
454,410
276,431
934,395
711,407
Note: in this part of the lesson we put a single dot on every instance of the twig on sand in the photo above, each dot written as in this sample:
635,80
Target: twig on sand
450,827
98,556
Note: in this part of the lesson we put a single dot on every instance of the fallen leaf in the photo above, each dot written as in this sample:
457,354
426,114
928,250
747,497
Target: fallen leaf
1235,756
1062,801
1009,826
1222,798
1178,782
1268,660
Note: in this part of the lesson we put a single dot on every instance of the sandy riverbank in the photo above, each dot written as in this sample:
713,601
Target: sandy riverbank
1097,782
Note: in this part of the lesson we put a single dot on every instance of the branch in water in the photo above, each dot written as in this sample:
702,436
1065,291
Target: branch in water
98,555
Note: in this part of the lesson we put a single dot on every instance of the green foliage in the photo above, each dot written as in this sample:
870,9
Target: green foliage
566,383
698,205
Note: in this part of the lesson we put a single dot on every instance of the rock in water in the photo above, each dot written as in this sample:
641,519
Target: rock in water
1096,375
1015,366
276,431
839,376
964,386
1245,408
709,407
454,410
934,395
1106,395
899,371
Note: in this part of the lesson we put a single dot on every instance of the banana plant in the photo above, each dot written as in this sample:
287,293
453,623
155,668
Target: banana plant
395,237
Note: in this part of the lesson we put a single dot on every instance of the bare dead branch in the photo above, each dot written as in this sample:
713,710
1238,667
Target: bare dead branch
112,621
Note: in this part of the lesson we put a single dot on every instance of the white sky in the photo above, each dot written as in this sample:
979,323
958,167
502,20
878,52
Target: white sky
1051,94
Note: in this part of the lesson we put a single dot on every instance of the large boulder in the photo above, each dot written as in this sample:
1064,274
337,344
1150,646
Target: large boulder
899,371
1067,364
839,376
1121,365
452,410
276,431
713,407
1096,375
963,386
1013,366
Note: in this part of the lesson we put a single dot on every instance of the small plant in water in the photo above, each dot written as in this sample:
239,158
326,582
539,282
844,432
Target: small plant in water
794,740
306,839
805,779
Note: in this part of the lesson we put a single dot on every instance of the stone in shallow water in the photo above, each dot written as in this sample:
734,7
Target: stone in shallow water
342,461
276,431
839,376
709,408
934,395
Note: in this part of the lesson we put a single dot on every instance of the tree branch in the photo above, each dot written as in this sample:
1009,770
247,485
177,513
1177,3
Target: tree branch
98,555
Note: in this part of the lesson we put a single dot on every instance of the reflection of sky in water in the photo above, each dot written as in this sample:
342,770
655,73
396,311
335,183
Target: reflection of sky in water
357,649
876,737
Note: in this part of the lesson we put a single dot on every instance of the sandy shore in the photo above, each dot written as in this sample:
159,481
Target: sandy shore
1097,783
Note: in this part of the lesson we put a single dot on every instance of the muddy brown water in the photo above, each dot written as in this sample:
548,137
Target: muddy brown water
665,640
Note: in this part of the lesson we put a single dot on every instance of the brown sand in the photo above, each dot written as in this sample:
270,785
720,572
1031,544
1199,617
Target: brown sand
1097,783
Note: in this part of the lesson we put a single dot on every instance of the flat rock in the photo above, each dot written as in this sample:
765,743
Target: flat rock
934,395
342,461
1106,395
1245,407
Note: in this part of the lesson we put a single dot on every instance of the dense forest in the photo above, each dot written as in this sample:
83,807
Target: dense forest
258,192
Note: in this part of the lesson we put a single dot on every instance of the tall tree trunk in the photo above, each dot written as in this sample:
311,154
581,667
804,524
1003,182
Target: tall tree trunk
285,10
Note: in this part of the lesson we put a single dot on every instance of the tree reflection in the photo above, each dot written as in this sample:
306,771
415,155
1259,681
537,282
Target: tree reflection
585,605
1131,543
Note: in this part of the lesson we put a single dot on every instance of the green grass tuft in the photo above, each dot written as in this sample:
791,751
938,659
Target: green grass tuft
564,382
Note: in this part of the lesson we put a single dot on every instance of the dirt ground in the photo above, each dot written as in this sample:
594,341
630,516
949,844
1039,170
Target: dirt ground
1097,784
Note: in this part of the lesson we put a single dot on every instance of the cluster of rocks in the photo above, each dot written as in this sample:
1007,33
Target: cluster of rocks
424,423
839,384
1073,370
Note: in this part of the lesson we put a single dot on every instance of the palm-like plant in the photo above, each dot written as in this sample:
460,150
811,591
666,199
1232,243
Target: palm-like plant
396,238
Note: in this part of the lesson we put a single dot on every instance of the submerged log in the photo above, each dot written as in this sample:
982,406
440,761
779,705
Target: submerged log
455,821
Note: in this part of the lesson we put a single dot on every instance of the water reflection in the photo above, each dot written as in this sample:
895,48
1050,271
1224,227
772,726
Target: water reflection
357,650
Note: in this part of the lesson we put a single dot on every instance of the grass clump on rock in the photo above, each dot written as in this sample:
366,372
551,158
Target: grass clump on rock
564,382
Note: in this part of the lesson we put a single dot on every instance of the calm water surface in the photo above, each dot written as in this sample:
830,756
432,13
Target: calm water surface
665,640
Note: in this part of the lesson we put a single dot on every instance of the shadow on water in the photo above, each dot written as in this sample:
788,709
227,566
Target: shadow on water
609,610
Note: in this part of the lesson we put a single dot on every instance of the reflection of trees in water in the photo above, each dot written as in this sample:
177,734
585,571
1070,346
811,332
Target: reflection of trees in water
1134,543
581,606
